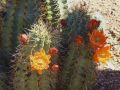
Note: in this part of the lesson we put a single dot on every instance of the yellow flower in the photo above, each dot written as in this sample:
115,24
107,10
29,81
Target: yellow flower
40,61
102,55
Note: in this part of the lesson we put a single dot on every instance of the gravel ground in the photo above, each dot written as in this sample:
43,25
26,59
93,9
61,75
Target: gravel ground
108,11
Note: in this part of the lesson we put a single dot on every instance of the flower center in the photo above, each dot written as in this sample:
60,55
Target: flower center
97,39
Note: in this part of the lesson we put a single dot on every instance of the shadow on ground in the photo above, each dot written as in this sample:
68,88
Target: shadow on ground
107,80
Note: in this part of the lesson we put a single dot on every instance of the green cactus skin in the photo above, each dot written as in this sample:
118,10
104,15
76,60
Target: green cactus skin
20,14
3,72
3,79
1,29
79,69
67,68
8,28
53,12
84,71
49,10
24,78
43,9
3,76
63,8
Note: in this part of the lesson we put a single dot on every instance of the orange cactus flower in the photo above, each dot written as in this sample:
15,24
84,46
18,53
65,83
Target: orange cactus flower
97,39
23,39
53,51
55,68
40,61
93,24
102,55
79,40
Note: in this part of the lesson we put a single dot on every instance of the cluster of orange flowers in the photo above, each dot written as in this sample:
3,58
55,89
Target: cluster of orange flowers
97,41
40,60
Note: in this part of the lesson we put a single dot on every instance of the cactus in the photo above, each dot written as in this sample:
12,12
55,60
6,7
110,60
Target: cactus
3,80
43,10
8,28
24,78
2,13
50,11
75,74
77,66
78,71
63,8
3,75
53,12
20,14
16,19
1,28
84,71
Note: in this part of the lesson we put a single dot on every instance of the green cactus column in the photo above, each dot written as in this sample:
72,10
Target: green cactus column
43,9
3,77
84,73
3,85
78,70
1,29
53,12
24,16
63,8
24,78
8,27
20,14
50,11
